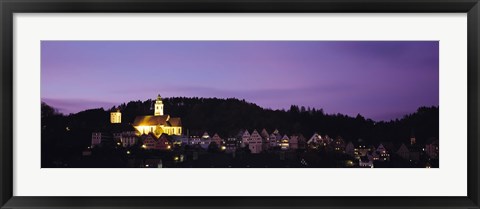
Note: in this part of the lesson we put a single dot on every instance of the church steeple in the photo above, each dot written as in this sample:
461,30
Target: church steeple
158,106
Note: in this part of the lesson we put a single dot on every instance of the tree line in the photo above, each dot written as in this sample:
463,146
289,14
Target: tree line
228,116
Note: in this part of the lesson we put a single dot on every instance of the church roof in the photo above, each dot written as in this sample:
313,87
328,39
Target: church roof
150,120
175,122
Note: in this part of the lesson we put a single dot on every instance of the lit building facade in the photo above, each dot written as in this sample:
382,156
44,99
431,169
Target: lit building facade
158,106
284,142
116,117
158,123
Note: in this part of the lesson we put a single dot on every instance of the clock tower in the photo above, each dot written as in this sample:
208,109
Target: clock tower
158,106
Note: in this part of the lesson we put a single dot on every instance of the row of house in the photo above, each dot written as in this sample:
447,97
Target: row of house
258,142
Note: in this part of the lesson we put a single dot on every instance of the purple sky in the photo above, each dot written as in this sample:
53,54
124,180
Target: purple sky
381,80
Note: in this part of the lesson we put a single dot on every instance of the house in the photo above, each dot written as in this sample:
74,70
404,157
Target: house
362,149
284,142
265,139
255,142
216,138
316,141
403,152
275,138
339,145
231,144
350,149
264,133
205,140
293,142
431,148
245,138
272,141
382,152
158,123
99,137
388,145
128,138
302,142
150,141
373,156
415,152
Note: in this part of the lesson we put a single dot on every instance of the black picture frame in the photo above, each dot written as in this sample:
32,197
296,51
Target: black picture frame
9,7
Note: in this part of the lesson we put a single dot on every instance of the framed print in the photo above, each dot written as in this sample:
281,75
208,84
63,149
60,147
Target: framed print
259,104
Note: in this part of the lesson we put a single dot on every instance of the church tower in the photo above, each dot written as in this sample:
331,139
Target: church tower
158,106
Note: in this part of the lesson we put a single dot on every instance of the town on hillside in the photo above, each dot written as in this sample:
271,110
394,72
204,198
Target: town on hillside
160,141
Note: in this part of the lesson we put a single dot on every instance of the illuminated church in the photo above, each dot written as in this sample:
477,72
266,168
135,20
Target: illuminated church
158,123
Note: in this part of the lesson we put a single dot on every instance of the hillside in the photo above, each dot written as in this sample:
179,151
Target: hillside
227,116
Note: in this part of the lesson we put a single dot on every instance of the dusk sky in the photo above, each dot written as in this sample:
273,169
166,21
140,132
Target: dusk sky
381,80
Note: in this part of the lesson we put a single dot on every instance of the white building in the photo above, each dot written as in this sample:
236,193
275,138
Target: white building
116,117
255,142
